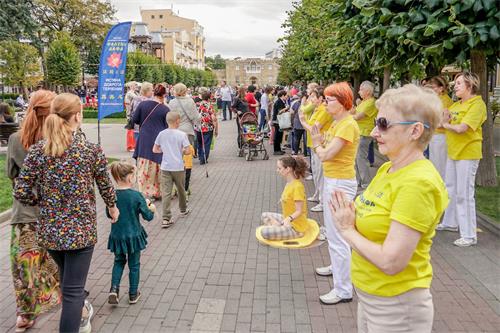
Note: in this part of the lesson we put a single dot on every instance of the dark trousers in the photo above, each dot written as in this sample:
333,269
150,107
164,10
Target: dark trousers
371,153
226,105
188,178
239,132
278,137
204,145
73,270
134,266
299,135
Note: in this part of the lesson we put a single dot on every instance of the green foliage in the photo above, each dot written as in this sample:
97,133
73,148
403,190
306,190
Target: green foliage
92,58
216,62
333,39
8,96
63,61
5,188
92,114
169,73
15,20
20,64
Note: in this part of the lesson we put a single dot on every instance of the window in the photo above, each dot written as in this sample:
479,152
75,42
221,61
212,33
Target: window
152,16
270,79
270,67
161,16
237,79
237,68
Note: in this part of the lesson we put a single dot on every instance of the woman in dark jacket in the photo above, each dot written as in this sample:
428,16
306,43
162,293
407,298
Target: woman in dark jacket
239,107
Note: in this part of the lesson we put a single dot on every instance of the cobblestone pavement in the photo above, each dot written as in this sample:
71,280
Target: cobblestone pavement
207,273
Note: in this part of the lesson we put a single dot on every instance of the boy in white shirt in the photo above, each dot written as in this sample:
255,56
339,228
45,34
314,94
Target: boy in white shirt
173,143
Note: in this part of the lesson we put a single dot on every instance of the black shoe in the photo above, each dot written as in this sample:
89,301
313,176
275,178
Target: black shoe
133,298
114,295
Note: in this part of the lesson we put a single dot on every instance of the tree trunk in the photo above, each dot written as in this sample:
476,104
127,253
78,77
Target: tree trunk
380,85
486,173
387,78
357,82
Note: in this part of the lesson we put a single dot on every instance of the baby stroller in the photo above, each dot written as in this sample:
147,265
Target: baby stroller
252,142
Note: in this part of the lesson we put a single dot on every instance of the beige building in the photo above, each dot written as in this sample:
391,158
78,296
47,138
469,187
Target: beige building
183,40
257,71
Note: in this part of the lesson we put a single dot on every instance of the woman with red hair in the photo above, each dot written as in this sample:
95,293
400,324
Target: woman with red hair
34,272
337,150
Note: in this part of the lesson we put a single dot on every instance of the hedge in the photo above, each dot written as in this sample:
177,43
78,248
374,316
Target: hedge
87,113
9,96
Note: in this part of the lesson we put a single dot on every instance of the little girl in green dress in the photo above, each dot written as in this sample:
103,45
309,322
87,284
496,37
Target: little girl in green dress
127,237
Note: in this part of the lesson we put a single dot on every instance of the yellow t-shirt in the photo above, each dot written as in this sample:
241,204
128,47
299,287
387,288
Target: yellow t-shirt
446,101
370,110
322,117
468,145
414,196
341,166
188,159
295,191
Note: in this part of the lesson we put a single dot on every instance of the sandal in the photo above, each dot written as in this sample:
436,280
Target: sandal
167,223
23,323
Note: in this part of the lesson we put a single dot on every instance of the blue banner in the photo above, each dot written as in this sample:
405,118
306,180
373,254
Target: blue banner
112,67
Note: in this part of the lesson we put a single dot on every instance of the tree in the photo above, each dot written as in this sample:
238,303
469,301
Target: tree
15,20
86,22
169,74
92,59
63,62
19,65
216,62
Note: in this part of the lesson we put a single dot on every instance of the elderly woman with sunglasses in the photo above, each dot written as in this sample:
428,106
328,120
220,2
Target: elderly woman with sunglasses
337,152
464,137
390,226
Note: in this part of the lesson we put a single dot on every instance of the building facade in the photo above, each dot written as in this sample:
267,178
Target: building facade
254,71
183,40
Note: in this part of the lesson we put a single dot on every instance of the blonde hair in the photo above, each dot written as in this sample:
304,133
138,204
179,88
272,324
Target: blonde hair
180,89
120,170
57,129
146,87
471,81
172,117
414,104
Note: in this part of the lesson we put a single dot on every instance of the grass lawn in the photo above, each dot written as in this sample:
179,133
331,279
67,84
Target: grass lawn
5,187
488,198
105,121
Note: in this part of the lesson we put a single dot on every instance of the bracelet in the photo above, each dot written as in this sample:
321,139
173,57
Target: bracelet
291,218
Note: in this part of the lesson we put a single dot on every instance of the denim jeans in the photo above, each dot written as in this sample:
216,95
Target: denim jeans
262,121
226,105
134,266
73,270
204,145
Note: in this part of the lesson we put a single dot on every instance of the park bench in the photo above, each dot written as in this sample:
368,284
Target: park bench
6,129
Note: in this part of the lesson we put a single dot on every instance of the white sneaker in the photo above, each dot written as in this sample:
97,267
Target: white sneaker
324,271
332,298
322,234
310,177
465,242
442,227
317,208
312,199
85,326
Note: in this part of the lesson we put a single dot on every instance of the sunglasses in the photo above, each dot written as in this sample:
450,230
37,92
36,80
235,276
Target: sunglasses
383,124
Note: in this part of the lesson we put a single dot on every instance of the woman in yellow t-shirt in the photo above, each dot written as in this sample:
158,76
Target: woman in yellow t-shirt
464,137
437,147
292,223
322,120
337,152
391,224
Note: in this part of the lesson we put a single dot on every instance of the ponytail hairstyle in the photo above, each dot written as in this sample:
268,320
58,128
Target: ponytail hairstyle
38,110
57,129
120,170
297,164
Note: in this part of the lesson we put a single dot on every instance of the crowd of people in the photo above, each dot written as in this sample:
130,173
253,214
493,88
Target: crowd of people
379,230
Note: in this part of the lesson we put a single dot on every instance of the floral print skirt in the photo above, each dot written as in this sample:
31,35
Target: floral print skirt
148,178
35,274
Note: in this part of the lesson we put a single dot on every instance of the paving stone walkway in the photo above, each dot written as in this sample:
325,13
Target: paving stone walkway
208,274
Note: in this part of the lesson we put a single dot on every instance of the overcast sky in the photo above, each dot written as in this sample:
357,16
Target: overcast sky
245,28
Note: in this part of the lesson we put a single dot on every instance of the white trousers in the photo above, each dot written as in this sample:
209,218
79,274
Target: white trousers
461,211
438,153
317,173
340,251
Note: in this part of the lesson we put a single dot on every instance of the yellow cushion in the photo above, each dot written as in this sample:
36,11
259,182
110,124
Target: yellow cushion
309,237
